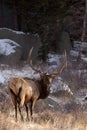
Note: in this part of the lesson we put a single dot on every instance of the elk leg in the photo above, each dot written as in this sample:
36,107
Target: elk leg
27,111
20,113
32,107
14,100
15,109
22,99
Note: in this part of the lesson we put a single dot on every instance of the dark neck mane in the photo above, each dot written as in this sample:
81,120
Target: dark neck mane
44,89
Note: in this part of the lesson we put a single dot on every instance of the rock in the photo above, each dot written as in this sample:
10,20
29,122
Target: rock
64,43
26,41
10,52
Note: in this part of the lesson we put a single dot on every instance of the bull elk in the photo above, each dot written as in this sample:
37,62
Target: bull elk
27,90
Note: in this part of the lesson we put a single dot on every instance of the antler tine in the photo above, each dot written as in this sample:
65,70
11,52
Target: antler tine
30,62
62,68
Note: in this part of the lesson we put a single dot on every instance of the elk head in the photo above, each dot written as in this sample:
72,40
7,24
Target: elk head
45,77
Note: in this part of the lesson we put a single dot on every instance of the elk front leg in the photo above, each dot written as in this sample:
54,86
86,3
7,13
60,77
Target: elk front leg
20,113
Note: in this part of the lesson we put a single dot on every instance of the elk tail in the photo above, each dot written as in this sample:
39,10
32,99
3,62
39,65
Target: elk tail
12,92
18,95
20,89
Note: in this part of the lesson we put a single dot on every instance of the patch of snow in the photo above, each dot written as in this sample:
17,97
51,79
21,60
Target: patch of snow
6,74
17,32
2,79
54,58
74,53
55,99
81,96
58,85
51,106
77,44
82,71
36,34
84,58
7,46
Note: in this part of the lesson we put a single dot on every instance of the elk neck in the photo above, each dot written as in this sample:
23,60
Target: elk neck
44,89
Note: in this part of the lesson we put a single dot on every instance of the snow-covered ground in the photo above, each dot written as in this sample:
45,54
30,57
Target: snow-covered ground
74,51
7,46
17,32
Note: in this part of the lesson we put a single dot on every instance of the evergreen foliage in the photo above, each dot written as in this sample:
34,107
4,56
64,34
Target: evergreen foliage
38,16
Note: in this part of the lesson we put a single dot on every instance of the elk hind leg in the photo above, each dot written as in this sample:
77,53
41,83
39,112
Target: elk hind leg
32,107
15,109
20,113
27,111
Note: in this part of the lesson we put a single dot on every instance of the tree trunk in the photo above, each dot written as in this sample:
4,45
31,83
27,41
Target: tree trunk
2,12
17,15
83,33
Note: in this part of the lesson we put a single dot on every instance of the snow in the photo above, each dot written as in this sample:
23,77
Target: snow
60,85
7,46
51,106
77,44
17,32
54,58
75,51
7,73
84,58
26,71
2,79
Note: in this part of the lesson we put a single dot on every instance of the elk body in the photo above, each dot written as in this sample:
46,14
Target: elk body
26,90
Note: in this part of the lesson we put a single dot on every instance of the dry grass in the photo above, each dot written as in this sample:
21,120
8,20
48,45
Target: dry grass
46,120
43,118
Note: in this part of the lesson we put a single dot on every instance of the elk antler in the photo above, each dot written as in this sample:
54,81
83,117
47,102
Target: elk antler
30,62
62,68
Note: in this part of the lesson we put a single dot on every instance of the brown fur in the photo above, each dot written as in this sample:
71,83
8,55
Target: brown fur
15,84
31,90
